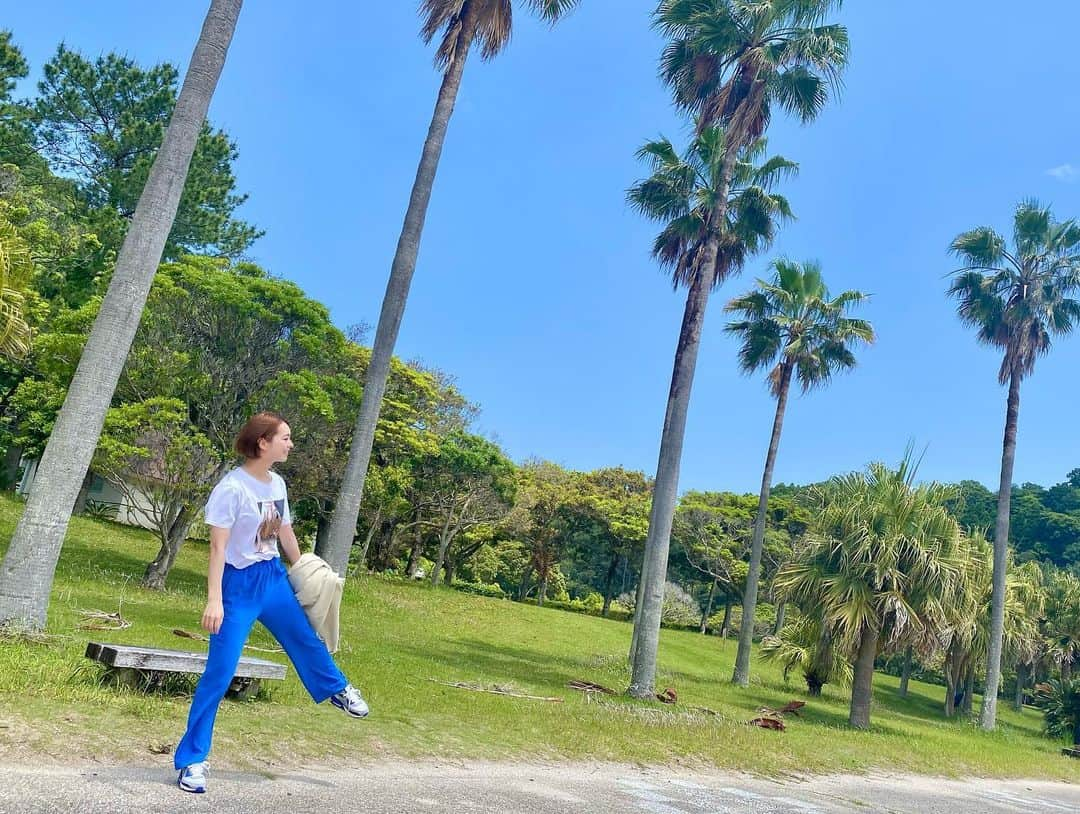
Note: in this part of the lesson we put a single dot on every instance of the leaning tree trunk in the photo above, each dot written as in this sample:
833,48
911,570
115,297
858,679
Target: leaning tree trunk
708,608
347,507
905,673
666,486
741,674
158,571
863,683
26,575
1021,680
988,716
1066,671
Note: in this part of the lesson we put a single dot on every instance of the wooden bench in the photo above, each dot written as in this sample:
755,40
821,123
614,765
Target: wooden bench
142,666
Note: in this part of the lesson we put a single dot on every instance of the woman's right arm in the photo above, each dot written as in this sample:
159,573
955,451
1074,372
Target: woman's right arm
215,610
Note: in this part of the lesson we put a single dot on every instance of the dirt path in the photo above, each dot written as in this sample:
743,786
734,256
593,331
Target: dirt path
520,788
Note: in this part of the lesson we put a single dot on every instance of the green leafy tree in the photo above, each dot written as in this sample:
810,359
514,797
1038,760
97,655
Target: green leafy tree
102,122
1017,300
160,463
471,483
794,328
973,506
712,532
607,524
539,518
729,64
459,25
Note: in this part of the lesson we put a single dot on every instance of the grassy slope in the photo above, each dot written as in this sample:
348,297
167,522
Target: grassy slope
398,636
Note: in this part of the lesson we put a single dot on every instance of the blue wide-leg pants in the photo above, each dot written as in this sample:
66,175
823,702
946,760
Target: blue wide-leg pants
259,592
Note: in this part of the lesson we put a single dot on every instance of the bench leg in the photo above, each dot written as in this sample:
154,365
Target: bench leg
243,689
129,677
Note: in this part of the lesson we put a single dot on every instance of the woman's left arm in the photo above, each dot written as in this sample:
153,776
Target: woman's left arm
290,547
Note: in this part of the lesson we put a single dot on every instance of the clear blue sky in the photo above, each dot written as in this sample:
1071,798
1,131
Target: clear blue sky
535,287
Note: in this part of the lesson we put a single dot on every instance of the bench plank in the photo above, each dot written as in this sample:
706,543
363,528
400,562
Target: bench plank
177,661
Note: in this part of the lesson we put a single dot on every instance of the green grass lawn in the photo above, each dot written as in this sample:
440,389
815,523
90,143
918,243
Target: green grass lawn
398,637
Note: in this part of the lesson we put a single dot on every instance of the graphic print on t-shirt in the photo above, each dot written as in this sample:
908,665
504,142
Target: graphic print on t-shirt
267,535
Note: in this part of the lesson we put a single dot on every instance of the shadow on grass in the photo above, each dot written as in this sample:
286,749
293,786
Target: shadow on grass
80,558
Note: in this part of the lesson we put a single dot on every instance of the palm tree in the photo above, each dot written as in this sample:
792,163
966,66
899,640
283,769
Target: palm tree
26,574
1060,703
880,568
968,637
682,193
1063,622
791,326
1016,299
729,63
808,645
16,270
459,25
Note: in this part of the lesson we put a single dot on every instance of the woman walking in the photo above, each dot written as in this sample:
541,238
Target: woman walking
249,519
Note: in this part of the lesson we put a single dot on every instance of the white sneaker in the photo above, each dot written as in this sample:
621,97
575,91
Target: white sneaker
193,778
350,701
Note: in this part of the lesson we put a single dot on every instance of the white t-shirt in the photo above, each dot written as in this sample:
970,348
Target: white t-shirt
253,512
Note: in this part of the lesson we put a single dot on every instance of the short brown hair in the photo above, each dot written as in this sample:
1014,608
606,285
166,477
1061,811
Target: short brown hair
260,426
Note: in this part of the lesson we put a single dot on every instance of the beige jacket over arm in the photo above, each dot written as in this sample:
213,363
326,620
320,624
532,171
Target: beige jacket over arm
318,589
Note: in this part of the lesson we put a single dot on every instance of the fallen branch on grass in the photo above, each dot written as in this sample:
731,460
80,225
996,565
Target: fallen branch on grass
185,634
461,685
774,718
769,722
114,620
588,686
668,696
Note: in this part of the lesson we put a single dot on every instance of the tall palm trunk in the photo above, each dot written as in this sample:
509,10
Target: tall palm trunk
665,490
26,575
666,486
988,715
347,505
863,682
741,674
